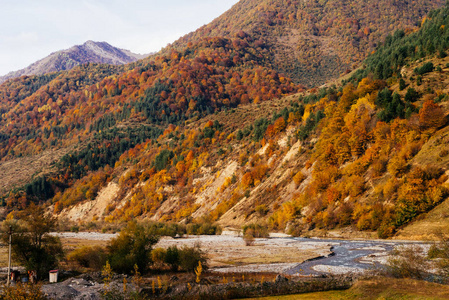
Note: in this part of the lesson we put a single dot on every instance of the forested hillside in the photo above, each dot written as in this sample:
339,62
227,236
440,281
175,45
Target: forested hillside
90,104
314,41
209,132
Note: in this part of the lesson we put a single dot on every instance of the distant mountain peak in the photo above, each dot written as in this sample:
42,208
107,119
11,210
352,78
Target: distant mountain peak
89,52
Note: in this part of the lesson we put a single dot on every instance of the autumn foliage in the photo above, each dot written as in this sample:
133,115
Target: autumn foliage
197,133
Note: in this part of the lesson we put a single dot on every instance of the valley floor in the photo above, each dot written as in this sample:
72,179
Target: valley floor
307,264
228,253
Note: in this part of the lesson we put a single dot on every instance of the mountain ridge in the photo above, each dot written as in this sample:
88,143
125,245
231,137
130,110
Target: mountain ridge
89,52
314,41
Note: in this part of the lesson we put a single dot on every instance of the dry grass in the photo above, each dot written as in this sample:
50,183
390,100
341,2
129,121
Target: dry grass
68,244
4,256
379,288
434,151
246,114
19,171
278,255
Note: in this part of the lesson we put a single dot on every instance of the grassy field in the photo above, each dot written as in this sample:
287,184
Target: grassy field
379,288
4,256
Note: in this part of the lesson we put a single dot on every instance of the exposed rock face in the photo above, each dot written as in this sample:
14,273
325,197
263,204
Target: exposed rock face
89,52
91,209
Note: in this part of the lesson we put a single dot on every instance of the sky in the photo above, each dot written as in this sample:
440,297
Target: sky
32,29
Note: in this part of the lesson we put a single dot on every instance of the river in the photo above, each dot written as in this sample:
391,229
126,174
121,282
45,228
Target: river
348,256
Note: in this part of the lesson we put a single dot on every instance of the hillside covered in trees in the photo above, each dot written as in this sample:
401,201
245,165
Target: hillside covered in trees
211,132
314,41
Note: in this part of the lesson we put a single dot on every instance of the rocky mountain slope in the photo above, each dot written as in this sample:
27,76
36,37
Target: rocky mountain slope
89,52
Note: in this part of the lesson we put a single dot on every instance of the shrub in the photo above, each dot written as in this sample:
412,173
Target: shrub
131,247
22,291
89,257
261,210
189,258
299,178
295,229
158,255
402,84
205,228
431,115
390,187
255,230
411,96
407,262
364,222
166,229
426,68
385,230
355,185
172,257
397,166
162,159
288,211
418,80
249,239
440,252
380,166
443,153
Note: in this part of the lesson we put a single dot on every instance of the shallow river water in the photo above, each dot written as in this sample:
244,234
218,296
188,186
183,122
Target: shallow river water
348,256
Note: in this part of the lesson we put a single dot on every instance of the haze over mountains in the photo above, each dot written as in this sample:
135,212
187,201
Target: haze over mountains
219,126
89,52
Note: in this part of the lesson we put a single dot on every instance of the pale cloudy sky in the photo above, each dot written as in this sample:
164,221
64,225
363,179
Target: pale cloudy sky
32,29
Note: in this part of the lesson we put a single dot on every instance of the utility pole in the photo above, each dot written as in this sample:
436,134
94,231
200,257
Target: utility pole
9,256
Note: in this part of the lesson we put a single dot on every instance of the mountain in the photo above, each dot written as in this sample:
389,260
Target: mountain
91,102
89,52
314,41
209,131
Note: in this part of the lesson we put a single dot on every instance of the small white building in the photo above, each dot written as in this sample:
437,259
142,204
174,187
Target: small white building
54,276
